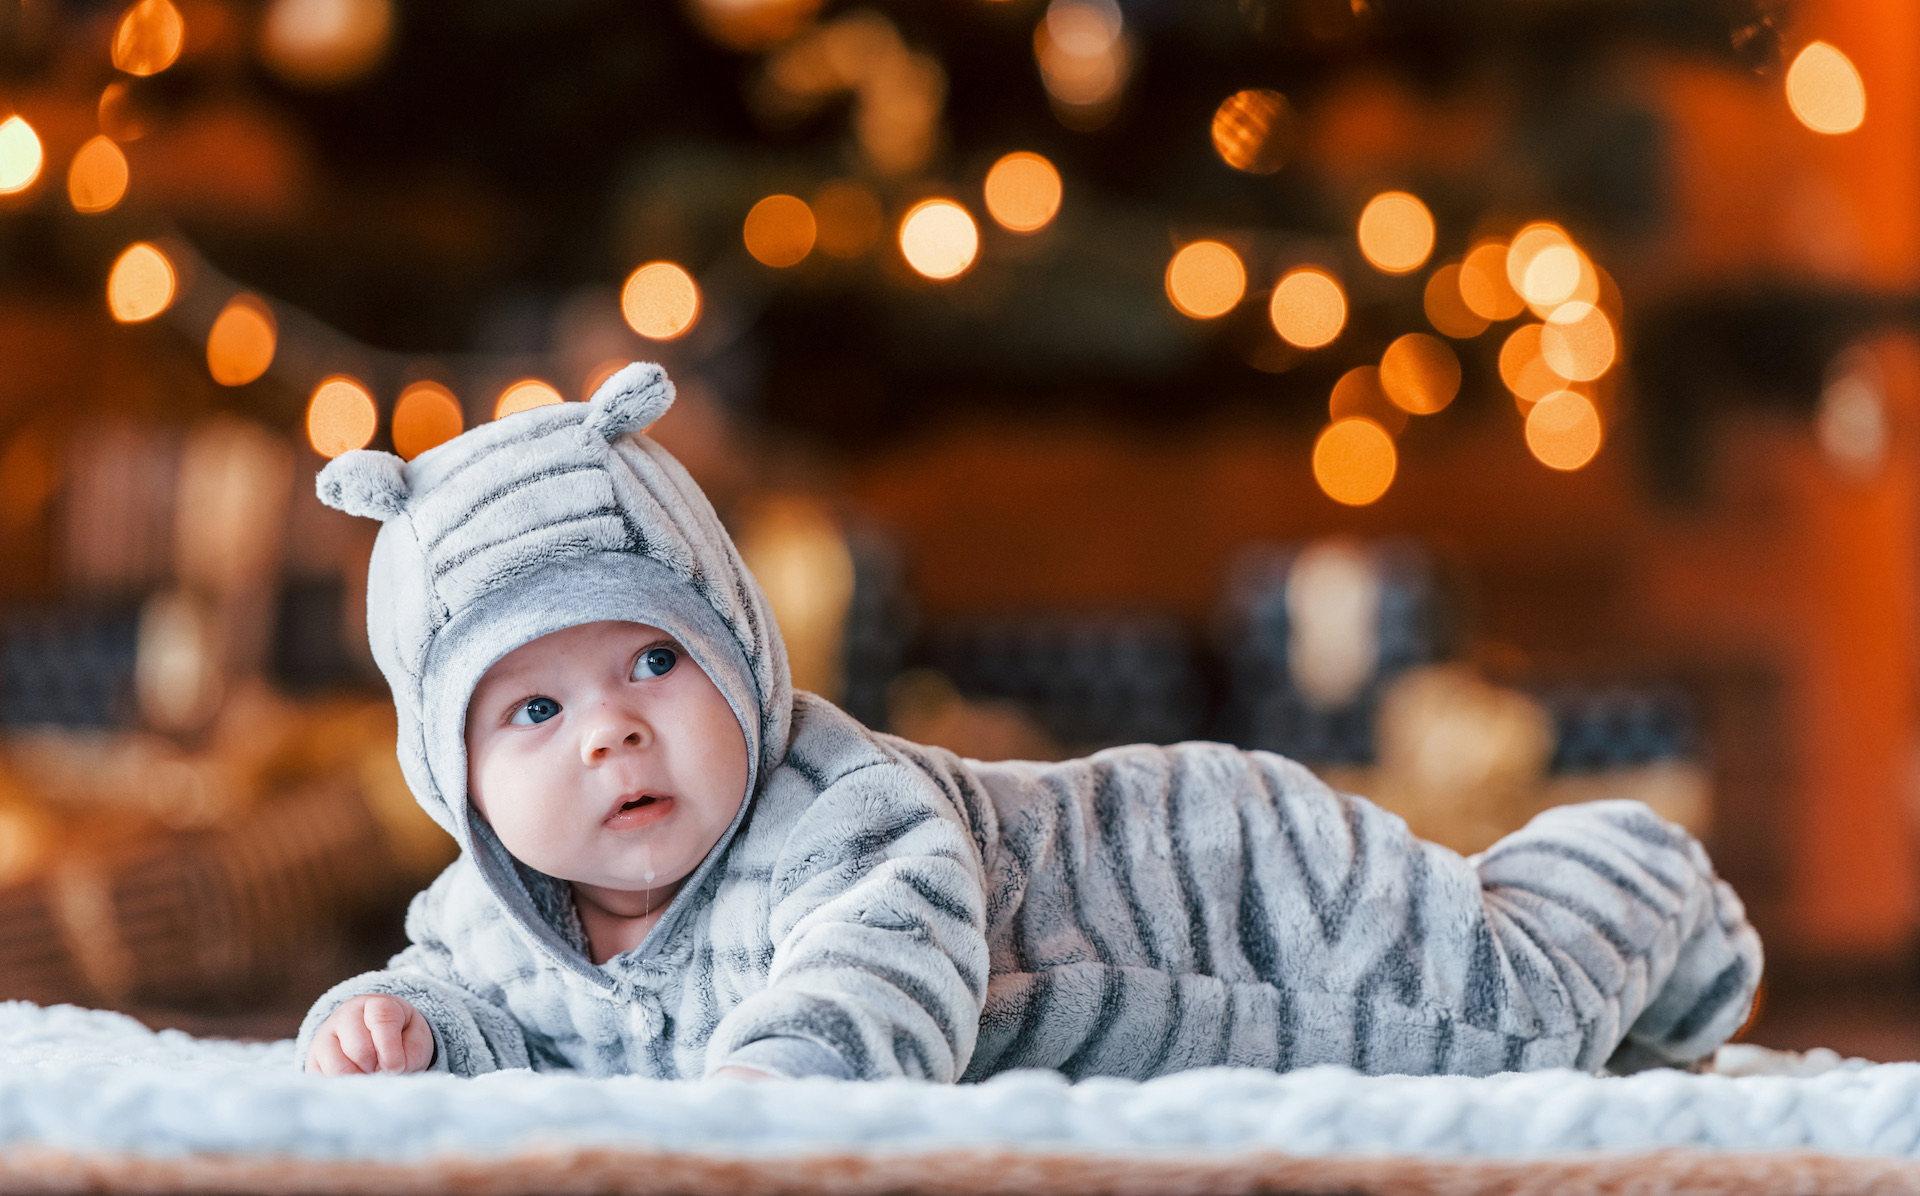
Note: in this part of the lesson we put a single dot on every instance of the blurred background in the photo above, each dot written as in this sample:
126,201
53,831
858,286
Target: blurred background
1491,403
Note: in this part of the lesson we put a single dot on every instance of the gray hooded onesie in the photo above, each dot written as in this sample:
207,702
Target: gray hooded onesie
879,908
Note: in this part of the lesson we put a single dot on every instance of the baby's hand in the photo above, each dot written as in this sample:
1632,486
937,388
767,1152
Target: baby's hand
371,1034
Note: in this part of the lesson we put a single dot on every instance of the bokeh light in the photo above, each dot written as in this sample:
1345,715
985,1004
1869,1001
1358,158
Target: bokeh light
1524,369
1354,461
1420,373
1253,130
1396,232
1824,90
1547,269
1359,393
779,231
1563,430
325,43
1206,279
848,219
1308,308
427,414
525,395
939,239
148,37
241,344
141,284
1447,310
97,179
1577,342
1023,192
1082,59
341,416
121,116
1484,286
660,301
20,155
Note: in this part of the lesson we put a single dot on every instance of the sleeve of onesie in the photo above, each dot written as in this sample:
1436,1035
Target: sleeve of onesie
471,1035
879,930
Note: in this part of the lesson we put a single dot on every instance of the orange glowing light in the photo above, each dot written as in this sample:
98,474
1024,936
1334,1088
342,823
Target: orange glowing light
660,301
1544,266
1563,430
1396,232
1359,393
341,416
241,344
1308,308
1023,192
1446,310
939,239
1083,59
849,219
1824,90
1206,279
1253,130
148,38
1354,461
20,155
525,395
140,286
1524,369
1484,286
98,177
119,116
1420,373
780,231
325,43
1577,342
427,415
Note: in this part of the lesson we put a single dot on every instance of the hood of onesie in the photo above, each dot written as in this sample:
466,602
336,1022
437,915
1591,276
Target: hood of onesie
543,520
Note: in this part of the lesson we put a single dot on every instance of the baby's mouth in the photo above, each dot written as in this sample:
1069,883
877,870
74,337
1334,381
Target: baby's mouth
639,810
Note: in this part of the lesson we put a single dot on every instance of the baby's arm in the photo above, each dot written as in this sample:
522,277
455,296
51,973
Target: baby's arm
371,1034
878,925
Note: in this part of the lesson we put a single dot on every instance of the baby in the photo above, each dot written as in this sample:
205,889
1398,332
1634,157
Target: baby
674,865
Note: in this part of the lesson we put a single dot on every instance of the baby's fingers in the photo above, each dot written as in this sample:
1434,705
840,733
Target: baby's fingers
385,1018
356,1043
326,1057
418,1037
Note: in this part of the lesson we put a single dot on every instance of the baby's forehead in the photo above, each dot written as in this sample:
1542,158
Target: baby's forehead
579,646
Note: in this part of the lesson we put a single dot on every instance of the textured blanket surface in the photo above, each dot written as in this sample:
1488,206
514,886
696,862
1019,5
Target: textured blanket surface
94,1101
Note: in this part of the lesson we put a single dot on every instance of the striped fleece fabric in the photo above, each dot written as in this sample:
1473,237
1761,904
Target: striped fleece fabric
880,908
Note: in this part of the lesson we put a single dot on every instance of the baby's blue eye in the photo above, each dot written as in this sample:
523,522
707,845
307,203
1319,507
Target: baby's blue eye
535,710
655,662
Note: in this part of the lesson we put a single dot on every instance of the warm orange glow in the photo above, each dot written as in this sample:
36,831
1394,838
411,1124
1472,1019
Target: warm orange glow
1420,373
341,416
1524,370
1308,308
848,217
426,415
1447,310
779,231
1396,232
98,177
241,345
1083,59
120,118
1206,279
1577,342
20,155
939,239
325,43
1824,90
140,285
1547,269
1484,286
1563,430
149,38
1023,192
525,395
1253,131
660,301
1359,393
1354,461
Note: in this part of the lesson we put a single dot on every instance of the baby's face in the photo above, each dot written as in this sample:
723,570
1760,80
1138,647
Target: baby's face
603,755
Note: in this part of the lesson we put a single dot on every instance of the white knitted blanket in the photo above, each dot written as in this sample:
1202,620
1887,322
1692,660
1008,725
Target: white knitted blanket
79,1085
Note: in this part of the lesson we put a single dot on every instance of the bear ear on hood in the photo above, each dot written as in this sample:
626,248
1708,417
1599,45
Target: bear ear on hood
365,482
629,401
